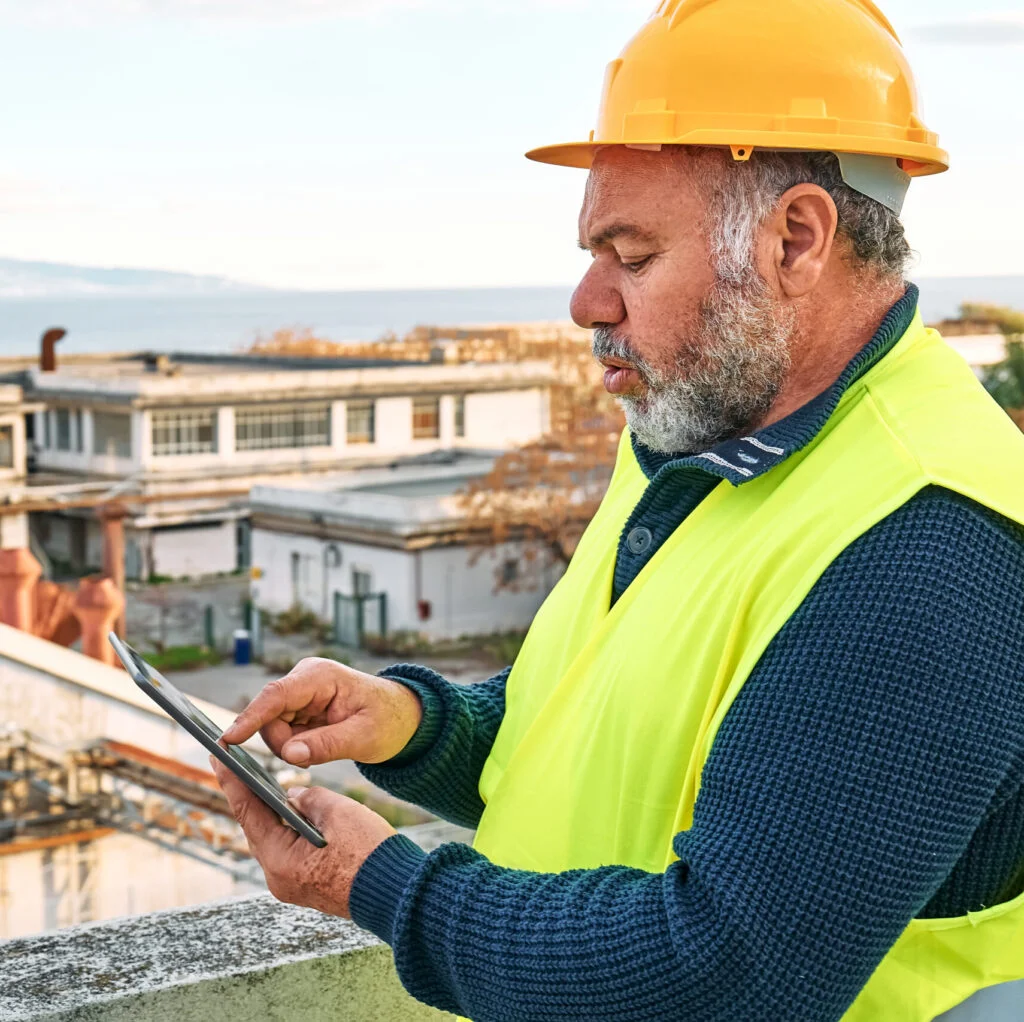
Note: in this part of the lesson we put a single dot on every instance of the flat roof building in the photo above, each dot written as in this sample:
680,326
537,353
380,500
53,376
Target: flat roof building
386,551
13,462
215,425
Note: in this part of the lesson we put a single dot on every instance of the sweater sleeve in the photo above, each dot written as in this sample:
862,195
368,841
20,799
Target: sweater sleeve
440,768
876,752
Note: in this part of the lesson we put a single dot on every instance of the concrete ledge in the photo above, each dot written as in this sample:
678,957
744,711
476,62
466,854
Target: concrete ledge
71,666
238,961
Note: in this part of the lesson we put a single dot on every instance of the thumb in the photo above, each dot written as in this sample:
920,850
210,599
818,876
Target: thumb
345,740
315,804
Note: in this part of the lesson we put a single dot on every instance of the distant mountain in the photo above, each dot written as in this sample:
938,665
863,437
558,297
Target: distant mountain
21,279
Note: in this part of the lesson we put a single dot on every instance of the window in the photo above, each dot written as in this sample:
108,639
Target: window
63,429
509,573
282,426
79,431
46,430
460,416
185,432
243,545
296,578
112,434
6,447
360,424
426,418
362,582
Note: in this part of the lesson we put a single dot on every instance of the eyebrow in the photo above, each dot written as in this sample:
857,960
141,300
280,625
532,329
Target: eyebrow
615,231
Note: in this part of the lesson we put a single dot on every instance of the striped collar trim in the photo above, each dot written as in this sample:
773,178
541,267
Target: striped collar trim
745,459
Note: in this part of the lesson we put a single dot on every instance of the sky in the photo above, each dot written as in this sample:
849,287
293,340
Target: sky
350,144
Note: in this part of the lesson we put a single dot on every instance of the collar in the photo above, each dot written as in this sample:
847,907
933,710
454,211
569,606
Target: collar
748,457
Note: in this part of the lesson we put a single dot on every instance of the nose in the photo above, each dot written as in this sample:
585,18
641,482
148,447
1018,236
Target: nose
596,300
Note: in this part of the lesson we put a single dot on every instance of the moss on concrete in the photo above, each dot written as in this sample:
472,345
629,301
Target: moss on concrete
238,961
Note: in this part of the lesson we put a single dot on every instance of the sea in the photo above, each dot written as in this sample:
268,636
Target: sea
230,321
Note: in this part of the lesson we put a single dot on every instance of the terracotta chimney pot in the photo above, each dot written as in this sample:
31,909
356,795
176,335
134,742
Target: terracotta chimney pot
19,572
98,604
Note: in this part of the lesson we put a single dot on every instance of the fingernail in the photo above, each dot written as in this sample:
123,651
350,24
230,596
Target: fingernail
298,752
296,792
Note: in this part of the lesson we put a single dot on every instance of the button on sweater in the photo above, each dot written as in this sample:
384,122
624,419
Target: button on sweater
870,772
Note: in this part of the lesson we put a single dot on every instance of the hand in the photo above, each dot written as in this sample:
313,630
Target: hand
296,871
323,711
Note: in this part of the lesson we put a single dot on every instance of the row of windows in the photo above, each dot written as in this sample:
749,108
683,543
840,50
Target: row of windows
267,429
194,431
290,426
184,432
63,430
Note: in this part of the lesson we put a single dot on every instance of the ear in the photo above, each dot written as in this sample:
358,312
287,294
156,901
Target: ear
801,236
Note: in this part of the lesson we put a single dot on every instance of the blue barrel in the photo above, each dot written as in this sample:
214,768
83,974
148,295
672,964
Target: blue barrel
243,647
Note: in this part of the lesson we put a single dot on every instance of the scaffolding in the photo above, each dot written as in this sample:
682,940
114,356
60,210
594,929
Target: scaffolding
49,793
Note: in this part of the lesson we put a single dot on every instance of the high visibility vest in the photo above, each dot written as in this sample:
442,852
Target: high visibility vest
598,759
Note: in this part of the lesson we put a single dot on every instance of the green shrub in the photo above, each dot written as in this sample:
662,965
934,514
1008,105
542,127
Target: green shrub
184,658
297,621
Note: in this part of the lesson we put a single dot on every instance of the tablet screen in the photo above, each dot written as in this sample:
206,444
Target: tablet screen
182,703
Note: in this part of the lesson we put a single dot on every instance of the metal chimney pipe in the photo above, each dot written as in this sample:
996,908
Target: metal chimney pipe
48,349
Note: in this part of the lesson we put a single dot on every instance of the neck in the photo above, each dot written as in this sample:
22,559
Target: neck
827,336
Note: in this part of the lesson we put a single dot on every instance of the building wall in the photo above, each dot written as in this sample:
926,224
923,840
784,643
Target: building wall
461,595
112,876
208,549
14,532
64,698
16,421
59,710
317,575
506,419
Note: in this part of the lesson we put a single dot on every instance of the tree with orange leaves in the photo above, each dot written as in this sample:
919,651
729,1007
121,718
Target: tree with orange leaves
544,494
541,496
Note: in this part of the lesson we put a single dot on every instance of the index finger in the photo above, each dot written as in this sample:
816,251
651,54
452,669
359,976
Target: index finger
277,698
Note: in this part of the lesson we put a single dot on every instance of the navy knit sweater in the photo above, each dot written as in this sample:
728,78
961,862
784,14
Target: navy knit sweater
870,772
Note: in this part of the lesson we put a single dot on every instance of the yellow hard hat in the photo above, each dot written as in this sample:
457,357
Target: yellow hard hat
809,75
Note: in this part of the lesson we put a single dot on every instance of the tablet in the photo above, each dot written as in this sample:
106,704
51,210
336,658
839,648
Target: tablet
177,705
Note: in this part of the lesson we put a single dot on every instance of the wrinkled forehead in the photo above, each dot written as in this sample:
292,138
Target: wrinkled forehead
655,191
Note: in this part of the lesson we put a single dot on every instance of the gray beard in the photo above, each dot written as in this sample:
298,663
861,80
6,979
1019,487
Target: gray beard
727,374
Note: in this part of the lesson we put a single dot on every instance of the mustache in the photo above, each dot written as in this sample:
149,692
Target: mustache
608,345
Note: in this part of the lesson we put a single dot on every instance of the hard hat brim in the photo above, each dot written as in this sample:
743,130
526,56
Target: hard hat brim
917,159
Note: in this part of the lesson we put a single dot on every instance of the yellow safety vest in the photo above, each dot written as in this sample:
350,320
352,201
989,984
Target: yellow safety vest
599,757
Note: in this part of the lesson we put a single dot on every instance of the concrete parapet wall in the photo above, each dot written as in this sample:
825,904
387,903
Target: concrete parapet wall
66,698
237,961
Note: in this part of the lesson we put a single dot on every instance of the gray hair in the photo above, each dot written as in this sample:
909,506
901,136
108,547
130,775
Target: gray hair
743,195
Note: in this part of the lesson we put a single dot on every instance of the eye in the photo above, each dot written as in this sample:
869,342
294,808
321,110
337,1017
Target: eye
636,267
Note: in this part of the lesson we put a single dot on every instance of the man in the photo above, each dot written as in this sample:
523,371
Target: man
762,755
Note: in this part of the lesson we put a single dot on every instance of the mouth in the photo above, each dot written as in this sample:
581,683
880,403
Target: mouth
619,376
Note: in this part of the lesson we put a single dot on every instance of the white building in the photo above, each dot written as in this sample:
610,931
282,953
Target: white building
168,427
53,876
13,463
386,544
